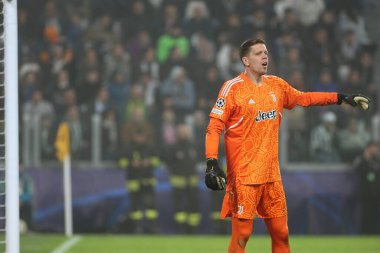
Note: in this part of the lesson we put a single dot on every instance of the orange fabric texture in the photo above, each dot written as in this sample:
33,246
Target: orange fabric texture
252,115
263,200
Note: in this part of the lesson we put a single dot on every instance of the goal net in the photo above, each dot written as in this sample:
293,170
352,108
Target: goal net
9,149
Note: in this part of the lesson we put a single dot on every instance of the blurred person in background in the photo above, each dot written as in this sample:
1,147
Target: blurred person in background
172,38
181,160
292,62
101,102
325,82
324,140
367,166
118,88
197,19
79,142
148,65
139,160
117,60
178,92
110,135
38,106
137,120
206,88
353,138
202,54
26,197
88,89
138,45
28,84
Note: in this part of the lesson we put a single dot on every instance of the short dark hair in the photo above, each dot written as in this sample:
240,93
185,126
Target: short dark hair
246,45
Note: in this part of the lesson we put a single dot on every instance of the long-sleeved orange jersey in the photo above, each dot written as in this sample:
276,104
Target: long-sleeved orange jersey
250,116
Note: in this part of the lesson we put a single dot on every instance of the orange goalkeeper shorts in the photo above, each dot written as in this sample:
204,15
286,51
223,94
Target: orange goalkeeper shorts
247,201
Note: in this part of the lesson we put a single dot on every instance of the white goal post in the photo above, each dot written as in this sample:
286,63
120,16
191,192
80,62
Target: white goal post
10,97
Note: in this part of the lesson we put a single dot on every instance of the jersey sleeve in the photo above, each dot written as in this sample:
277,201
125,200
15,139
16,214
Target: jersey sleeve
214,128
219,115
293,97
224,104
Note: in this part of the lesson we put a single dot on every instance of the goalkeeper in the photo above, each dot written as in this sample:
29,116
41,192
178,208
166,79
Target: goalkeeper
249,110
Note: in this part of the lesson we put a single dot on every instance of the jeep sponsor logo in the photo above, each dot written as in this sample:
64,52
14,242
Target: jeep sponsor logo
266,115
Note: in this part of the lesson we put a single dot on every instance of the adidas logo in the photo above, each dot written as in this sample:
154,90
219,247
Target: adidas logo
251,102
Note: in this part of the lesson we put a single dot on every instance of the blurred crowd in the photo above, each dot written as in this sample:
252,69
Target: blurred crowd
151,69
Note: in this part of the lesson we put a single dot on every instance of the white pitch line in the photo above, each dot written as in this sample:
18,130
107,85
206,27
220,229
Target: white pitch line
67,245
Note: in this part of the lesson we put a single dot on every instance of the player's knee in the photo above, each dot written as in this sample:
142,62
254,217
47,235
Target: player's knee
243,241
282,235
244,237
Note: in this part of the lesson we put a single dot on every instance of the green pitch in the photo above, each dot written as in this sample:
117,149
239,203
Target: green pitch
39,243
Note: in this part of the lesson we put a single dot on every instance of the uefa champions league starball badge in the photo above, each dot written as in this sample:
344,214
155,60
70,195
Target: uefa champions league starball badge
220,102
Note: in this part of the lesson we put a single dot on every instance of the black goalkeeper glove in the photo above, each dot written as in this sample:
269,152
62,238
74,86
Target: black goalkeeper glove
215,178
354,100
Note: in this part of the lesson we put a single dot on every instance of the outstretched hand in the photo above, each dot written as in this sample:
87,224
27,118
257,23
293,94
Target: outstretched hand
354,100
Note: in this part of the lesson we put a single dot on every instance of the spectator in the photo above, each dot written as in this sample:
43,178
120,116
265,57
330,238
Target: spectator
353,139
101,102
203,53
28,84
26,197
110,135
326,83
88,88
148,65
257,20
168,134
178,92
320,52
353,83
90,62
117,61
136,20
138,45
103,32
207,87
367,166
170,17
181,161
175,59
288,21
38,107
136,122
197,20
365,67
327,21
136,100
309,11
52,23
139,161
118,90
79,143
229,31
173,38
351,20
323,144
228,61
292,62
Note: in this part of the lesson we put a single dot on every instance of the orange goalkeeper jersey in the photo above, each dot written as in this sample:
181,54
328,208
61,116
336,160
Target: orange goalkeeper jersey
250,116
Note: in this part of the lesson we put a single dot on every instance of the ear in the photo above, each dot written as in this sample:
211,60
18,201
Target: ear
245,61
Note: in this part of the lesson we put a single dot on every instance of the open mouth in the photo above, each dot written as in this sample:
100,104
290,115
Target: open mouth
265,64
